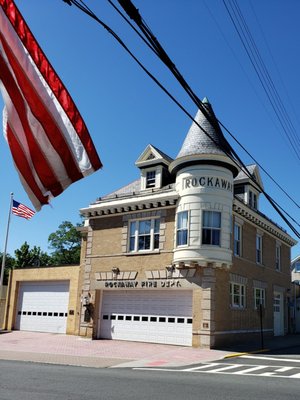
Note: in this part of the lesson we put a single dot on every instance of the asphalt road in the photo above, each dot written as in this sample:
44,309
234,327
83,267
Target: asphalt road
32,381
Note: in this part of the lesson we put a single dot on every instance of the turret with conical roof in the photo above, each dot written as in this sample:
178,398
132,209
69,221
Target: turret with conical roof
205,142
204,169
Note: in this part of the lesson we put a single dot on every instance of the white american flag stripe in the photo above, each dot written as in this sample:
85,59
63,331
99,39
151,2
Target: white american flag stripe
44,93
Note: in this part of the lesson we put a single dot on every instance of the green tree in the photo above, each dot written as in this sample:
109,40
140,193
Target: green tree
9,264
27,257
66,243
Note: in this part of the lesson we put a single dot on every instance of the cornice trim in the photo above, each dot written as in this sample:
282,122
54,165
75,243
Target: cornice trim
262,222
132,204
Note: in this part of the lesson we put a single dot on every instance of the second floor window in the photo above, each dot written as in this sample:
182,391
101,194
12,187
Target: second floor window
278,258
211,228
150,179
144,235
182,228
297,266
237,239
259,249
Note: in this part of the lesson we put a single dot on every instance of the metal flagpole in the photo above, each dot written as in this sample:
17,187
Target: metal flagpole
5,247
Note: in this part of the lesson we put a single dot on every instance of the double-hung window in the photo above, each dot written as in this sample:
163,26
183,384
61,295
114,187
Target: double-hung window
253,200
237,295
259,249
259,297
278,258
211,227
150,179
297,266
144,235
237,239
182,228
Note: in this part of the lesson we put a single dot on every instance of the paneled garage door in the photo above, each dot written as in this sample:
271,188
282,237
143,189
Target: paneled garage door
43,306
147,316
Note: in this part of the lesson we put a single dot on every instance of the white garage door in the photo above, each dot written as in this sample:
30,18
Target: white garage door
147,316
43,306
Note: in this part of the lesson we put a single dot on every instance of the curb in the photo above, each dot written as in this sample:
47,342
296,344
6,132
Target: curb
245,353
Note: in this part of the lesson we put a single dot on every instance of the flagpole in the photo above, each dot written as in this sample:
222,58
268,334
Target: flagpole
5,247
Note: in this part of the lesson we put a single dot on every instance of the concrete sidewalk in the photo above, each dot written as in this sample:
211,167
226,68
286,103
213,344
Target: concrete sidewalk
74,350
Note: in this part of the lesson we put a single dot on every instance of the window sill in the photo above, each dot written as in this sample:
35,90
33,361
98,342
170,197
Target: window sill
142,253
210,245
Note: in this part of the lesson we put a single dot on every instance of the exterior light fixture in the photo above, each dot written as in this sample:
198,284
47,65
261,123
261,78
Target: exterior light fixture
116,270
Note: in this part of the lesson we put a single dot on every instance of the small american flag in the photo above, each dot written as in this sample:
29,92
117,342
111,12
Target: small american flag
21,210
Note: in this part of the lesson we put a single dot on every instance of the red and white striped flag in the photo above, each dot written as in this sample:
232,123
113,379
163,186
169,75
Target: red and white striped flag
49,141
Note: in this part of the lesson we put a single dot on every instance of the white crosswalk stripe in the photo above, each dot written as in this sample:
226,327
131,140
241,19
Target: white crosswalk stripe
284,369
248,370
272,371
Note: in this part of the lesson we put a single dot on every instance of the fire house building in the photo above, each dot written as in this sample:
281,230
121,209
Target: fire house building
183,254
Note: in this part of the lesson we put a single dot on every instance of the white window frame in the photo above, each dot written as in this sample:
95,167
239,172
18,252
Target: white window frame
258,248
259,296
237,295
180,229
278,257
134,233
237,240
253,199
297,266
211,228
150,181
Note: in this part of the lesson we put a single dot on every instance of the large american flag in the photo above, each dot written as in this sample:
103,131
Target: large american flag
49,141
21,210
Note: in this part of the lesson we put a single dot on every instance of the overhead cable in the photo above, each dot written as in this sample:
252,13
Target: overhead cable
262,73
134,14
82,6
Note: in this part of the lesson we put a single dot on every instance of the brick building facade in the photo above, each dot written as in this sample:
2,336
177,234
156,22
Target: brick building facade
183,255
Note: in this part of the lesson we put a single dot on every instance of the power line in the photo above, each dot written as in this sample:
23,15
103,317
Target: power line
262,73
274,62
164,57
134,14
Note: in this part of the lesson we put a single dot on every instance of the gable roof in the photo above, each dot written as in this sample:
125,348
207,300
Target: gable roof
242,177
152,156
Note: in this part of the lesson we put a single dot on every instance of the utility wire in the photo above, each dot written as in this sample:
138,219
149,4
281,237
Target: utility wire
162,54
274,62
262,73
134,14
154,49
257,94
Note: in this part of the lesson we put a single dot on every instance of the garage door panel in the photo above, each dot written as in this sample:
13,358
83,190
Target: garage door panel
43,306
150,316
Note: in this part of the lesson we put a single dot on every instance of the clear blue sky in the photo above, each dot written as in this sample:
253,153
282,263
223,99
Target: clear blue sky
124,110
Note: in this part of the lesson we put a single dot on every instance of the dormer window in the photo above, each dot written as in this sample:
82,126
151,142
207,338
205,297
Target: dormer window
154,165
150,179
252,200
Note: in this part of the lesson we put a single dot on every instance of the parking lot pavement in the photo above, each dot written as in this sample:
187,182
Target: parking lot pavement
74,350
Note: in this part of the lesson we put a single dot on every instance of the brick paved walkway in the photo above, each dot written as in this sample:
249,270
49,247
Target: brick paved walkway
73,350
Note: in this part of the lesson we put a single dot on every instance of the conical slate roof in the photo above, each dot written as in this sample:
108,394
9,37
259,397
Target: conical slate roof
198,142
